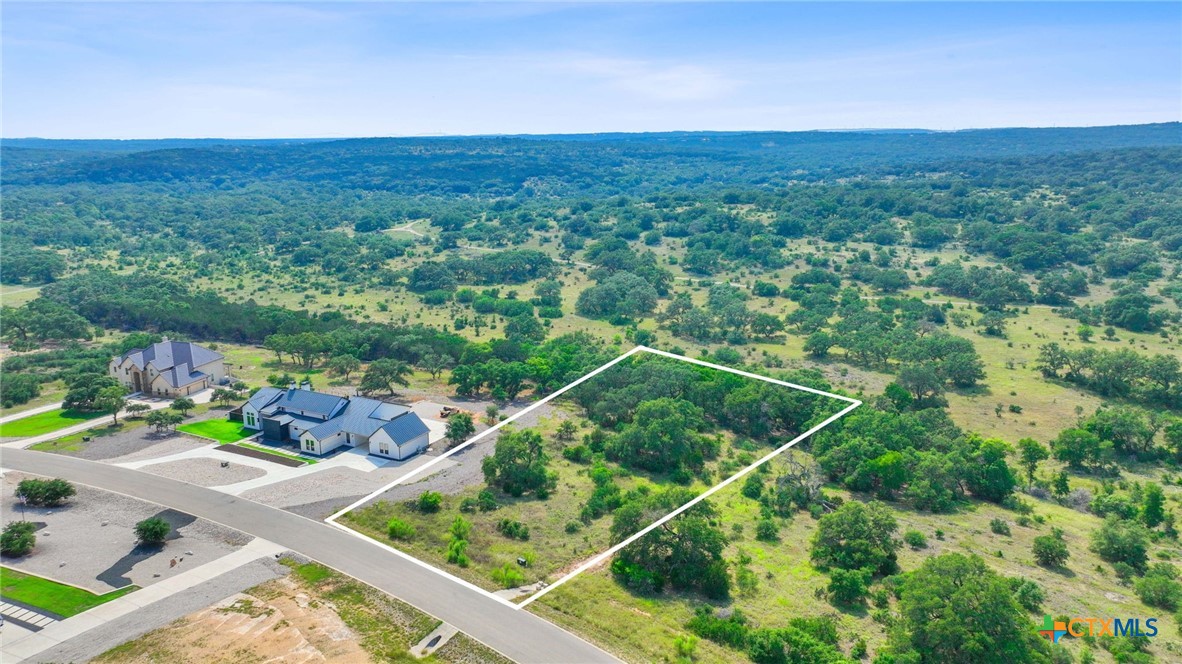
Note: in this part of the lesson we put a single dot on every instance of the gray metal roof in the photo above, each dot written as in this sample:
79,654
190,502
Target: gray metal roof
168,354
316,403
356,415
361,417
405,428
263,397
182,375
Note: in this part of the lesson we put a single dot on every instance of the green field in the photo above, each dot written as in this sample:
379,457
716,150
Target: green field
41,423
52,596
218,429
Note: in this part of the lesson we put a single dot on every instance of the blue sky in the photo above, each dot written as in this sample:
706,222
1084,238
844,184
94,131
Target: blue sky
112,70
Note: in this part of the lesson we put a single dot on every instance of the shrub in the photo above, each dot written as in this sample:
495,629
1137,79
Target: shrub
1000,527
430,501
915,539
577,453
766,530
1159,587
1122,541
400,530
153,530
18,538
1028,593
508,576
1051,550
848,586
45,493
572,527
753,486
513,529
486,501
456,552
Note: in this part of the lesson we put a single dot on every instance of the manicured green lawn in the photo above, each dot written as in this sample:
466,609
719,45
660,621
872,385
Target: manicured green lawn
35,425
218,429
50,595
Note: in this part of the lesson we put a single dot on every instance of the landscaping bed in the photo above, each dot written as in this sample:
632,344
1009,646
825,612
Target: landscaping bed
255,453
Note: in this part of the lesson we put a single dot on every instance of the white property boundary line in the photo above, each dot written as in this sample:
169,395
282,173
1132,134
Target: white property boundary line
332,520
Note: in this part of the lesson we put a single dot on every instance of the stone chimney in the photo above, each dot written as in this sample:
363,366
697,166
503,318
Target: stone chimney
291,385
306,386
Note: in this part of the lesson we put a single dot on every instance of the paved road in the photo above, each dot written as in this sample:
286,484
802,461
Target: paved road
519,635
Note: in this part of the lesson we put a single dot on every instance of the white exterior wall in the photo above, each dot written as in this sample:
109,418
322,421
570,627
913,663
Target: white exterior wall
320,446
253,413
399,452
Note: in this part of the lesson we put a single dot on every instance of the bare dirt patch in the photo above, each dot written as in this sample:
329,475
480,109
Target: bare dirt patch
287,626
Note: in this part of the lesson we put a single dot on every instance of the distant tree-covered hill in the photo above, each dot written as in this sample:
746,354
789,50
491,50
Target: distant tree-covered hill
552,165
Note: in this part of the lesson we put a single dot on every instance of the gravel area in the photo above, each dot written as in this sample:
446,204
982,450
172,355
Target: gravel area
93,535
205,471
158,614
140,442
164,446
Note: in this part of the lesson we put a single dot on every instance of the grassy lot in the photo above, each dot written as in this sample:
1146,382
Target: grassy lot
52,596
558,539
549,545
35,425
221,430
642,628
74,442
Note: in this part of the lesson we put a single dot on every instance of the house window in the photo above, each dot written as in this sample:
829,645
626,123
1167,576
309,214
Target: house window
250,422
310,445
384,448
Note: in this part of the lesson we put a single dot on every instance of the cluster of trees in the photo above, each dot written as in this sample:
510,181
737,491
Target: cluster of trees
669,388
684,553
518,464
990,287
919,456
1130,309
512,266
24,264
42,320
1155,380
724,318
1095,444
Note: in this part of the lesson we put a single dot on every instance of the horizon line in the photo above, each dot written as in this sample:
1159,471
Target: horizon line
835,130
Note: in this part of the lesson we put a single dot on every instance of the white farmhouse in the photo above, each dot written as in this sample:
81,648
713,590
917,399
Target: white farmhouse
169,369
320,423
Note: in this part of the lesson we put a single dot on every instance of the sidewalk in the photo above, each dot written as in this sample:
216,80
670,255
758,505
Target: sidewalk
32,411
30,645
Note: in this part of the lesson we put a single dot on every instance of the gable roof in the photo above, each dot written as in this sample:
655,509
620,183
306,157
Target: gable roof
182,375
307,401
168,354
405,428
